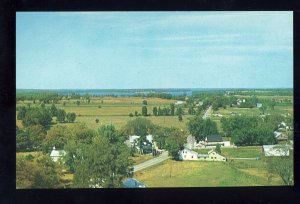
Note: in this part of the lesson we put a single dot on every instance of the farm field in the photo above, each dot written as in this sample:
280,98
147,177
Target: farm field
206,174
170,173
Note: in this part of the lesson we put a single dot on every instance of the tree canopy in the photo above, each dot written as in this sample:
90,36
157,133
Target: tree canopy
38,172
201,128
139,126
104,163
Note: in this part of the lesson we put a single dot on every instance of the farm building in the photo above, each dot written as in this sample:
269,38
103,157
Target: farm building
57,154
280,135
209,141
276,150
188,154
178,103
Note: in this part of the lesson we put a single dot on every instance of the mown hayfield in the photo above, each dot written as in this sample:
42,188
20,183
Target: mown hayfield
103,111
203,174
120,121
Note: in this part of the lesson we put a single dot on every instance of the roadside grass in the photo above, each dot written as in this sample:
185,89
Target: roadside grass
138,158
23,154
200,174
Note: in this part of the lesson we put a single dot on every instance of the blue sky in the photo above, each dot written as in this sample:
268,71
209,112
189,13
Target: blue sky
103,50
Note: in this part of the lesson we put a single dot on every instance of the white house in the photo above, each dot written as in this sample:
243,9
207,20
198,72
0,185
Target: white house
57,154
133,139
258,105
212,155
187,154
276,150
177,103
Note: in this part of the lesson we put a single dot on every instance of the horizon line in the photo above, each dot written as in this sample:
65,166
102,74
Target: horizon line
154,88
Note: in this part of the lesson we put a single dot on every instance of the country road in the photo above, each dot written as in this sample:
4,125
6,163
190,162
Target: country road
207,112
164,156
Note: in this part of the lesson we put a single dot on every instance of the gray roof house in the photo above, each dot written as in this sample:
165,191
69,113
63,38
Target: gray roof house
214,138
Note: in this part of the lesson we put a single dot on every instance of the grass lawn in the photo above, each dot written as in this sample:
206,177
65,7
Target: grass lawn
202,174
240,152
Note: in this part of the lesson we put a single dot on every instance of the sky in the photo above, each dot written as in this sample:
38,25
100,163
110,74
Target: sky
123,50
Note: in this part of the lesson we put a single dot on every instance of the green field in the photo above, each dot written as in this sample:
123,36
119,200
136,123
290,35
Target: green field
239,152
206,174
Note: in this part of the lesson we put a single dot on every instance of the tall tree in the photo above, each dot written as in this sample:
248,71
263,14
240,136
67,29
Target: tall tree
37,134
40,172
36,116
144,111
201,128
175,141
57,136
53,110
139,126
172,105
71,117
23,142
110,133
61,115
82,134
155,111
102,167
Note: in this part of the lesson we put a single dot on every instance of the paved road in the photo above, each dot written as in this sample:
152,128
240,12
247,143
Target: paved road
207,112
164,156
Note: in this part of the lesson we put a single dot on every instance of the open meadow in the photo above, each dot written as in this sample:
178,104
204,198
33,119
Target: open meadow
206,174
